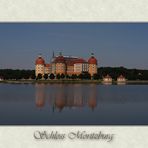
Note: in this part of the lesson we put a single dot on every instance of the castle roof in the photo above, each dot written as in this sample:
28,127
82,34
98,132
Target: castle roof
59,59
107,76
92,60
47,65
121,77
40,60
80,60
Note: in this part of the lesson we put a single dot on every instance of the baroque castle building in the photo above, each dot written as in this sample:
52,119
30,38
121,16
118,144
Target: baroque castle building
67,65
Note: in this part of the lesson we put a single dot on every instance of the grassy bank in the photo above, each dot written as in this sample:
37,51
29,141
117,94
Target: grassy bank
51,81
68,82
138,82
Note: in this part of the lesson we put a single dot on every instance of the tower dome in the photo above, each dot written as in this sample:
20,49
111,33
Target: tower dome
92,60
40,60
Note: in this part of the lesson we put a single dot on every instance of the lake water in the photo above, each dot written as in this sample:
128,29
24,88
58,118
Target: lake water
73,104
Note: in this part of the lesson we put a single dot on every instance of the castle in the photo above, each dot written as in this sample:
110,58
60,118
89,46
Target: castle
67,65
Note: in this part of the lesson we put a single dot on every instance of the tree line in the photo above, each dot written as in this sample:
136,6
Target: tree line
17,74
82,76
114,72
130,74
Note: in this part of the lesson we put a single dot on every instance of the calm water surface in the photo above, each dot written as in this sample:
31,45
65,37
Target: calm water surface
73,104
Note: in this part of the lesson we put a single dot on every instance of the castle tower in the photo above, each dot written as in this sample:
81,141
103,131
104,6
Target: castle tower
60,64
92,64
39,66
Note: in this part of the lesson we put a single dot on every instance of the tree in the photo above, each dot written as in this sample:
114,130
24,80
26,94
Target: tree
74,76
16,74
96,76
45,76
52,76
80,76
58,76
67,77
26,76
33,76
85,75
39,76
62,76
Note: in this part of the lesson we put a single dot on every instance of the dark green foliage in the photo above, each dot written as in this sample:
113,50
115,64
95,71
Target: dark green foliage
74,76
96,77
62,76
45,76
114,72
16,74
85,76
52,76
67,77
80,76
33,76
130,74
58,76
39,76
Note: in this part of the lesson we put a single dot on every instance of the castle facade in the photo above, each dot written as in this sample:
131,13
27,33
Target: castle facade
67,65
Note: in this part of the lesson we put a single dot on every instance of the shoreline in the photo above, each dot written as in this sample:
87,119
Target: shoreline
128,82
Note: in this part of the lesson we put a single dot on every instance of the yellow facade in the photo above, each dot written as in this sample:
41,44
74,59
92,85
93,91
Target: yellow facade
39,69
47,70
60,68
53,68
70,70
92,69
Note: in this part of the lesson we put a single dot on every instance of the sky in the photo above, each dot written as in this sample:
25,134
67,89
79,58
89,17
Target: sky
113,44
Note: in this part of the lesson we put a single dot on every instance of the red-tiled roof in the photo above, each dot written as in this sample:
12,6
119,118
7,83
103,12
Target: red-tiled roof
121,76
70,61
40,60
80,61
107,76
92,60
47,65
59,59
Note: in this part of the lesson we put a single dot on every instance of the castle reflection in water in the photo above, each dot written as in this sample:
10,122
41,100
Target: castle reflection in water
60,96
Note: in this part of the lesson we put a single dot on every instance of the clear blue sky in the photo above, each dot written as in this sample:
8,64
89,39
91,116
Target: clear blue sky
114,44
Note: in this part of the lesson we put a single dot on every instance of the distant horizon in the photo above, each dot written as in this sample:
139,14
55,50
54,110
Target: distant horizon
113,44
